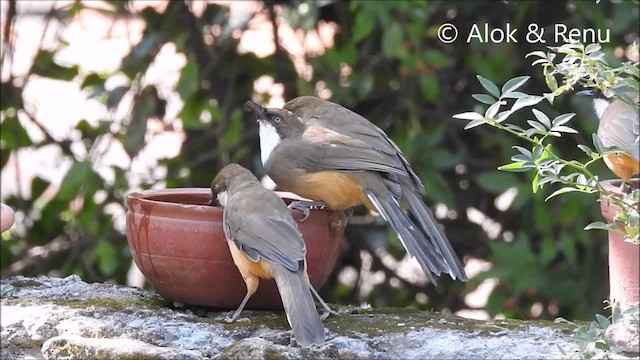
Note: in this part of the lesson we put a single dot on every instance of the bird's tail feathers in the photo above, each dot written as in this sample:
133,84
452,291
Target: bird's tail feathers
299,305
413,240
436,235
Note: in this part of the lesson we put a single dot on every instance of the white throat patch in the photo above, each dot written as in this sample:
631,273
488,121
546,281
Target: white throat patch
222,198
600,105
269,139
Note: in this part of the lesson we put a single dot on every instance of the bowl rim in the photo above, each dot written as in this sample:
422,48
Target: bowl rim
148,193
141,201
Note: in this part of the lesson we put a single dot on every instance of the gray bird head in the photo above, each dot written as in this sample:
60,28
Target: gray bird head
283,121
600,102
275,125
228,180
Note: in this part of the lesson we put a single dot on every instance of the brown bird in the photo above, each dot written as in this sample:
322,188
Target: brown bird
325,152
265,243
619,126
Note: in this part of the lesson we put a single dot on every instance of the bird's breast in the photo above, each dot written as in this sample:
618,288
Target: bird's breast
339,191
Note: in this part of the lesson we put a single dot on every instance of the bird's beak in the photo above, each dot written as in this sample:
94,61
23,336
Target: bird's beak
585,93
213,201
260,110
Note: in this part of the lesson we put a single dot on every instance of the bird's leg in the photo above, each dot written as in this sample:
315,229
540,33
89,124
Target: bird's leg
342,217
624,187
304,206
326,310
252,286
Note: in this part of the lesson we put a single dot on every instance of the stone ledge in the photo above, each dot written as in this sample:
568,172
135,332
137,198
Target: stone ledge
50,318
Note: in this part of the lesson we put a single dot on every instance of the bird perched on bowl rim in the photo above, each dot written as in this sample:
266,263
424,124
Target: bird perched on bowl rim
266,243
618,126
325,152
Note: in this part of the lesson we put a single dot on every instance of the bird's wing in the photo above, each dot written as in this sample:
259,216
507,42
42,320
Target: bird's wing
623,131
349,124
262,226
334,151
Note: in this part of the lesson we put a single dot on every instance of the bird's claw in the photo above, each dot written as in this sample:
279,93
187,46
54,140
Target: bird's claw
327,313
229,320
306,206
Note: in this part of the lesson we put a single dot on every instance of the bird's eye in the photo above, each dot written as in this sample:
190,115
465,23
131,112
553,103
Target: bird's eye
277,119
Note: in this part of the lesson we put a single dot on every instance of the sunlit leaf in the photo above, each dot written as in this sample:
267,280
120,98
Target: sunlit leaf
514,84
529,100
542,117
562,119
484,98
469,116
563,190
489,86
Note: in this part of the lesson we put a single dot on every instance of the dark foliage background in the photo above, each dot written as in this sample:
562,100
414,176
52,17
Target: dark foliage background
401,77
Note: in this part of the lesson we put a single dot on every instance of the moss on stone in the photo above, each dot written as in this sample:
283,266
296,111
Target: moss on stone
25,283
114,304
380,321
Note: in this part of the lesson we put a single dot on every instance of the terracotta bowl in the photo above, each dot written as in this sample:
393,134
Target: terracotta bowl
178,243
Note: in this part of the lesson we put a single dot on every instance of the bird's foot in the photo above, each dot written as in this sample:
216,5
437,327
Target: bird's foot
340,219
230,320
305,207
327,313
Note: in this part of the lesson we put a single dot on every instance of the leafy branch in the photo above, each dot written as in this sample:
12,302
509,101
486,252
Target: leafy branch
549,167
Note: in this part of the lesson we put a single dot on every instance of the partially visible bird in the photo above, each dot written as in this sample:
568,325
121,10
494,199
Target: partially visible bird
325,152
265,242
619,126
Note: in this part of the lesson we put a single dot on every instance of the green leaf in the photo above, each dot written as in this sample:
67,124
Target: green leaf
542,117
496,182
5,289
551,81
537,152
565,129
563,119
474,123
537,125
115,95
74,178
44,65
560,191
529,100
489,86
514,95
587,150
363,26
548,250
107,257
484,98
493,109
38,186
514,84
600,226
502,116
631,69
591,48
537,53
13,134
436,58
602,321
429,87
550,97
515,167
600,148
392,40
469,116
